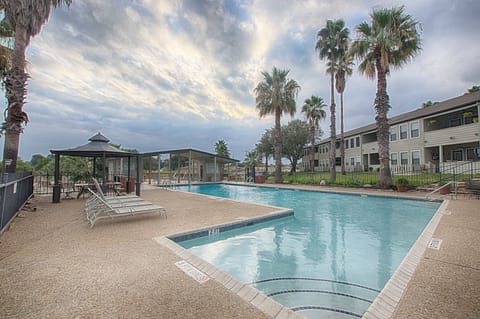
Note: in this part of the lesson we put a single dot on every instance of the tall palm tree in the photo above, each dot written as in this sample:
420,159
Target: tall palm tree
25,18
276,95
313,110
331,43
391,40
343,69
252,159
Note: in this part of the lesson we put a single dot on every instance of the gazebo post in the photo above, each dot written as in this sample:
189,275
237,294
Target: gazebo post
137,184
104,159
56,185
94,167
128,176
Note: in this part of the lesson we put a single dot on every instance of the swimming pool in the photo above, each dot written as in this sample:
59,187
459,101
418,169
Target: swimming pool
330,260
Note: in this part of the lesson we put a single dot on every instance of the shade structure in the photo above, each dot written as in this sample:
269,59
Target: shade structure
98,146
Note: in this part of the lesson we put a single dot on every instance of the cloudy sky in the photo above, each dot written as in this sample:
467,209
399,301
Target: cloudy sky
157,74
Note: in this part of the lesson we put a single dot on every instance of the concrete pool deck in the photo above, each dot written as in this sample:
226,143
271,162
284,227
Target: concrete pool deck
52,264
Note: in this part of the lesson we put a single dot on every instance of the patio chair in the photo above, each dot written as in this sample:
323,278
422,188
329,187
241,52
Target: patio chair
98,209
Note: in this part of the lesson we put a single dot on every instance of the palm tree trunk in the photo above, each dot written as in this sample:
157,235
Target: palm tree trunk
278,148
333,171
382,105
15,86
312,149
342,139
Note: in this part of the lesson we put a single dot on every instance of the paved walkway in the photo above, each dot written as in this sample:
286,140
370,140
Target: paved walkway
53,265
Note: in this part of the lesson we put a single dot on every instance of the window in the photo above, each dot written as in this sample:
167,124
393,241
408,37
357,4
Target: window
455,122
403,132
415,157
457,155
352,143
346,143
357,139
470,154
414,130
393,133
404,158
394,158
352,161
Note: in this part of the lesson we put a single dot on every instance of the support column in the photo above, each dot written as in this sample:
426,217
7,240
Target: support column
137,184
158,169
128,190
56,182
189,167
215,168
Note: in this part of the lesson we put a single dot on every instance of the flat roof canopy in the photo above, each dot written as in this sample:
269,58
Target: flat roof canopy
194,155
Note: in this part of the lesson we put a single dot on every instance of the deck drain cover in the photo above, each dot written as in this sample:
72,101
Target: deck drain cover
435,243
192,271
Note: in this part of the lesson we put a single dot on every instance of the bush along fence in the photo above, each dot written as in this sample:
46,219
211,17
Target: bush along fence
416,178
15,190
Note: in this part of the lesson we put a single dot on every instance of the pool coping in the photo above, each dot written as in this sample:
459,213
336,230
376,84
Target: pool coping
383,306
244,291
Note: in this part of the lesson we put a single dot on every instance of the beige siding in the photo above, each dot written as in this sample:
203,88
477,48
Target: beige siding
453,135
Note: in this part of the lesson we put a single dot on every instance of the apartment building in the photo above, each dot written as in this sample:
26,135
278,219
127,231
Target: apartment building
431,139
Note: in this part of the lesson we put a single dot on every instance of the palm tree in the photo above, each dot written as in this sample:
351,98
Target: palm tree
276,95
221,148
344,69
392,39
313,110
25,18
252,159
332,43
265,146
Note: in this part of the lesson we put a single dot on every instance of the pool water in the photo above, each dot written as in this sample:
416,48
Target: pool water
330,260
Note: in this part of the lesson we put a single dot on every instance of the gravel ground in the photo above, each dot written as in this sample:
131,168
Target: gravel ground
53,265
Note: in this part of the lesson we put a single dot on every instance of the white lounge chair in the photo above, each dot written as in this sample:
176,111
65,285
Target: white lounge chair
98,208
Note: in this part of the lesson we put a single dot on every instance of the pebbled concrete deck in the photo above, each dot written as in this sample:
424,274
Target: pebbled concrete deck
52,264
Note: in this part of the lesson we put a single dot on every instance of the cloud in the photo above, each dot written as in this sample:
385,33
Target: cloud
164,74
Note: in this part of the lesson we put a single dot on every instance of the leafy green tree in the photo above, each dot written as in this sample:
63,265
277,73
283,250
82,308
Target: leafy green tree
474,88
221,148
391,40
265,146
343,69
313,109
295,136
36,159
332,41
25,18
276,95
428,103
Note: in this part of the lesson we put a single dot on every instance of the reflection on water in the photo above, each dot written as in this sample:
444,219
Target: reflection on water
333,239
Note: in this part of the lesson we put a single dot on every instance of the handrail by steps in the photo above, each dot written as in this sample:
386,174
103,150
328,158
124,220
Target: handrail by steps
443,186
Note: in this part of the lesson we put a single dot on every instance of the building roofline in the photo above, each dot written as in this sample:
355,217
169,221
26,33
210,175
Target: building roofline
439,107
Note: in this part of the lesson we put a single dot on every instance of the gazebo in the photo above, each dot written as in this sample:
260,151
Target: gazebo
98,147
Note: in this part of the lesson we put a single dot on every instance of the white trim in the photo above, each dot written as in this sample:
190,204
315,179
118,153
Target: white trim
418,129
396,133
400,132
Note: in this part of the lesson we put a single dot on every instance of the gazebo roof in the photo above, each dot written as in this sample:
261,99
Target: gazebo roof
98,146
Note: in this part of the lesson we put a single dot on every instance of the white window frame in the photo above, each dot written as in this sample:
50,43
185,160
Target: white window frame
458,150
419,157
418,129
396,133
400,132
408,158
392,157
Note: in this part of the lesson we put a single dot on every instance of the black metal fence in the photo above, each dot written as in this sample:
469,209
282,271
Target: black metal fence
15,189
455,172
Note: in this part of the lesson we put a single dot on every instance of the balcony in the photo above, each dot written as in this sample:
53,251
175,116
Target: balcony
453,135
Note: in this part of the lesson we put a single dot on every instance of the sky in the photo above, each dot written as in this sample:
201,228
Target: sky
156,75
